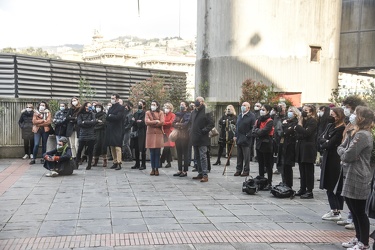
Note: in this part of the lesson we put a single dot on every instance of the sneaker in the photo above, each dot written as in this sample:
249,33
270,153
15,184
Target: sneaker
331,216
54,174
350,243
49,174
32,162
31,156
350,226
344,222
359,246
26,156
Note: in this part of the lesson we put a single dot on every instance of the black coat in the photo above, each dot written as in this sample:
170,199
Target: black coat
86,121
264,134
115,120
244,127
306,141
331,167
227,125
71,119
100,148
141,128
60,122
26,124
201,123
289,145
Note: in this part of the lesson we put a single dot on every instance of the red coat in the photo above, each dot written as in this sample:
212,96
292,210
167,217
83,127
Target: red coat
168,120
154,134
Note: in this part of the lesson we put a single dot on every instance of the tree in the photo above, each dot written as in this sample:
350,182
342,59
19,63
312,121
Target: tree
177,92
148,90
253,92
9,50
86,92
204,89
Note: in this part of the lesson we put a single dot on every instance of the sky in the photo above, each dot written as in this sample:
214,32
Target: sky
38,23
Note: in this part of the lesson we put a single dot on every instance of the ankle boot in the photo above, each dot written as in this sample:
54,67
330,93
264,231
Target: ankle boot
95,162
104,163
143,167
118,166
152,172
156,172
217,163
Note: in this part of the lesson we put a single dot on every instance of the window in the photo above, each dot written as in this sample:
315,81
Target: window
315,53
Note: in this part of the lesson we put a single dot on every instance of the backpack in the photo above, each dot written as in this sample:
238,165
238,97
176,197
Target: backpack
261,182
283,191
249,187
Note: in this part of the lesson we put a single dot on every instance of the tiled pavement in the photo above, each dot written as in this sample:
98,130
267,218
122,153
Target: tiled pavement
129,209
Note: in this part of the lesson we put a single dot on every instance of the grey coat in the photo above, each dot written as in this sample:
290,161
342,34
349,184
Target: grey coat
355,154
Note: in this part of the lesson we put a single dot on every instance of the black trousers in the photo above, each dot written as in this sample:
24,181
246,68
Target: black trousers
89,150
183,159
265,161
28,145
287,175
306,171
138,151
336,201
360,219
166,155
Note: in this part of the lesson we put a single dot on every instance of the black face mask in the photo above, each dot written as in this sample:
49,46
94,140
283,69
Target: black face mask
197,104
304,114
140,107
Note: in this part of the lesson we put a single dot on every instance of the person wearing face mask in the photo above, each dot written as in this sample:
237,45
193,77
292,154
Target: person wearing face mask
289,146
306,151
169,117
109,105
154,135
72,130
60,121
41,126
323,116
278,114
181,122
329,140
128,123
139,142
86,121
26,124
263,131
57,161
100,149
243,139
227,125
115,126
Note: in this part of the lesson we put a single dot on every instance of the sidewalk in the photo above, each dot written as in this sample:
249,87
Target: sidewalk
129,209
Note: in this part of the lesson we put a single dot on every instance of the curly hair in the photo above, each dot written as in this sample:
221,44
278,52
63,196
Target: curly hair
353,101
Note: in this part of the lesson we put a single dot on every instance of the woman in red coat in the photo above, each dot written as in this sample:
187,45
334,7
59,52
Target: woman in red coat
167,127
154,135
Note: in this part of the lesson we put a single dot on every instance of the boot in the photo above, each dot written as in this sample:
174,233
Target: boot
104,163
217,162
95,162
114,166
152,172
88,167
118,166
156,172
168,165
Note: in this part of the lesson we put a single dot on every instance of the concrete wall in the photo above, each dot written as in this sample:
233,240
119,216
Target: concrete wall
357,42
268,41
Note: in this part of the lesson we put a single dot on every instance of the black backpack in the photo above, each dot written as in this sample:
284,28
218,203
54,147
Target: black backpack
249,187
283,191
261,182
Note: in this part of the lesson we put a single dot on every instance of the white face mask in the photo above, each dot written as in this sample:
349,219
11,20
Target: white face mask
153,108
113,101
167,111
256,108
262,113
273,112
98,110
320,114
347,112
108,107
28,109
74,103
42,108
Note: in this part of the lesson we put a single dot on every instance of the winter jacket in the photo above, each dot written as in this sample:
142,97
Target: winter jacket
263,132
201,123
71,119
26,124
181,122
60,122
41,121
115,119
140,127
306,141
167,127
86,122
154,134
244,127
289,144
227,125
100,148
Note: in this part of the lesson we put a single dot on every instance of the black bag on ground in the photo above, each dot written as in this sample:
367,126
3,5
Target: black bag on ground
248,186
282,191
261,182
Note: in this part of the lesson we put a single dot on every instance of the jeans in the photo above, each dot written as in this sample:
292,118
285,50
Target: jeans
360,219
155,157
37,136
201,156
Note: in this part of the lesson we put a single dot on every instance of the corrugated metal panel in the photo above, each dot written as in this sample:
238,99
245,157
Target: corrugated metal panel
7,76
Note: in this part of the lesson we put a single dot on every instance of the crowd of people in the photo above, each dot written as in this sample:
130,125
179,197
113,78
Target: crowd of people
338,139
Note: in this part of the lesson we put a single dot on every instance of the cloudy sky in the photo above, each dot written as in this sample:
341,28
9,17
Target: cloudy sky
57,22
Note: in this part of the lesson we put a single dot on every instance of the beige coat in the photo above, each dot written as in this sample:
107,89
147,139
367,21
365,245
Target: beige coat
154,134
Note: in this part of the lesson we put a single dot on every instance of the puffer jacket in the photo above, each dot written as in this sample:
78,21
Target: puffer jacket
86,122
26,124
60,122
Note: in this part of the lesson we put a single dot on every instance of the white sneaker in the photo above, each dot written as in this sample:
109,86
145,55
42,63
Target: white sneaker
331,216
350,226
26,156
344,222
54,174
359,246
49,174
350,243
31,156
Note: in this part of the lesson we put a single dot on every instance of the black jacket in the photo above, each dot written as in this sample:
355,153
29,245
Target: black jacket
244,127
26,124
71,119
201,123
264,138
289,145
86,121
306,141
115,121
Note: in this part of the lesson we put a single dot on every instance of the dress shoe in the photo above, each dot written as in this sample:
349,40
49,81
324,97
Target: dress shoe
168,165
204,179
135,167
183,174
217,163
177,174
156,172
114,166
307,195
142,168
198,177
300,192
237,173
152,172
32,162
88,167
118,166
95,162
245,174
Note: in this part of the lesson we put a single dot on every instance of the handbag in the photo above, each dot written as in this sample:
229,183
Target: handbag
174,135
283,191
213,132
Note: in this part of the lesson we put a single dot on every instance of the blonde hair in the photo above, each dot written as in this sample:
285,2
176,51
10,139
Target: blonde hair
231,108
364,119
169,105
295,111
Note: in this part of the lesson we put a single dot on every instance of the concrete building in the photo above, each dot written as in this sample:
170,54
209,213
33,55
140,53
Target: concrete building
292,44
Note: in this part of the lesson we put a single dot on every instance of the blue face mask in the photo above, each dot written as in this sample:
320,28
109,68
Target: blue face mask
290,115
352,119
182,108
62,108
243,109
